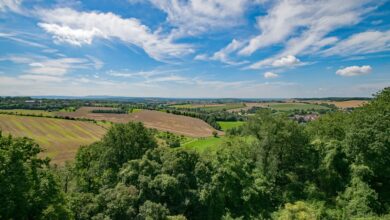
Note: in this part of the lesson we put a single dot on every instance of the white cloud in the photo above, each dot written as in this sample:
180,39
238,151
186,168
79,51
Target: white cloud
289,60
312,20
223,54
10,5
141,74
65,34
270,75
41,68
16,37
354,71
41,78
78,28
361,43
56,67
198,16
286,61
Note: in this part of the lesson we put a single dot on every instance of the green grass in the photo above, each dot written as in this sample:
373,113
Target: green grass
203,145
27,112
135,110
182,106
210,107
226,125
295,106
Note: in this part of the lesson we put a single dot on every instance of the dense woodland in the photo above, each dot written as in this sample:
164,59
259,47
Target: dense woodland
337,167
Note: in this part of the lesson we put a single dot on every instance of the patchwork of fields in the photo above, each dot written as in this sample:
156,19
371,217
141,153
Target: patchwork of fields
60,138
210,107
344,104
178,124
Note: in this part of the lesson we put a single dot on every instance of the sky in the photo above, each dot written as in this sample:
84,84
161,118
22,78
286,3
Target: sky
195,48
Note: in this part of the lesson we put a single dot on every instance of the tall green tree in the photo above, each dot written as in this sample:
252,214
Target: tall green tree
28,188
98,164
282,152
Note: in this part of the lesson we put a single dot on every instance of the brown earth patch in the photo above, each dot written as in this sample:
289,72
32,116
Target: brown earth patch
178,124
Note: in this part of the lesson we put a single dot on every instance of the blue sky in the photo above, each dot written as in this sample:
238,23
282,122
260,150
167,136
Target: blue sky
195,48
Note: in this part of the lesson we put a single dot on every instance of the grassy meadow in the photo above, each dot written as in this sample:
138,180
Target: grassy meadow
209,107
295,106
226,125
27,112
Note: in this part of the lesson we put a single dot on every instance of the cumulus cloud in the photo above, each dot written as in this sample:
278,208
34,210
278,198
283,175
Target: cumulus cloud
312,20
289,60
78,28
354,71
193,17
361,43
286,61
270,75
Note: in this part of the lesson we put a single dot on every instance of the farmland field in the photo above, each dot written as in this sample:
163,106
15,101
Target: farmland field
203,145
282,106
27,112
210,107
60,138
294,106
225,125
345,104
178,124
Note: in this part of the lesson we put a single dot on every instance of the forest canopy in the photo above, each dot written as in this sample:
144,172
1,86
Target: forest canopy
336,167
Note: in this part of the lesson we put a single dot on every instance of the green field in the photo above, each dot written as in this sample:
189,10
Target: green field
210,107
226,125
295,106
26,112
203,145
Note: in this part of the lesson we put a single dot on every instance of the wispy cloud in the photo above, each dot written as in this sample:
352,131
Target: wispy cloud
193,17
361,43
16,37
312,20
78,28
41,68
223,54
11,5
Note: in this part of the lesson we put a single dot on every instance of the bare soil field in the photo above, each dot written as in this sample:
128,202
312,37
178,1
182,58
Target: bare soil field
344,104
60,138
178,124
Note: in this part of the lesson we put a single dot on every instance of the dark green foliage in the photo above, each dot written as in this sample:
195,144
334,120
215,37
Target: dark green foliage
98,164
28,188
109,111
152,211
272,168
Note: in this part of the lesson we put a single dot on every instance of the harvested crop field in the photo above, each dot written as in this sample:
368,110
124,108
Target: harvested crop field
60,138
178,124
347,104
